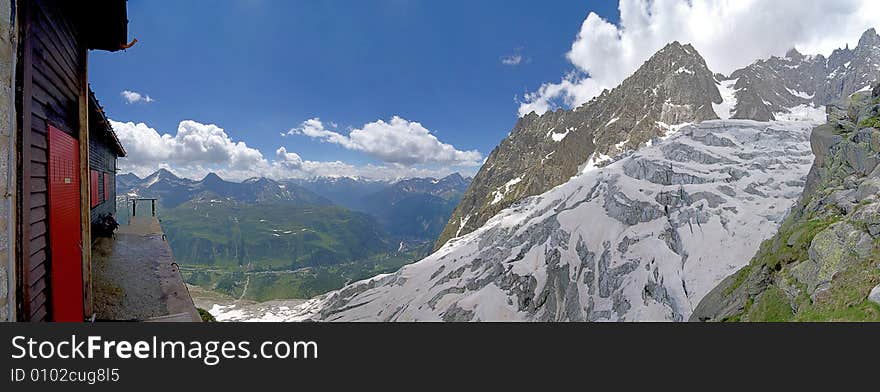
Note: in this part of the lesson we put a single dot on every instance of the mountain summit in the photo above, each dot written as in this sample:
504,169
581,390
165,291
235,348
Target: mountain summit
769,87
673,87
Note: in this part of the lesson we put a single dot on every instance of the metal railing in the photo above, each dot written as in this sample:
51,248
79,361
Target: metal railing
135,201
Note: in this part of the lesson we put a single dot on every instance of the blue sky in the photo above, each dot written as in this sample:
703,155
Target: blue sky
402,88
259,68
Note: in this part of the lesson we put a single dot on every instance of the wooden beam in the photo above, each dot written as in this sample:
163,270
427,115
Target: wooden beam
84,180
24,163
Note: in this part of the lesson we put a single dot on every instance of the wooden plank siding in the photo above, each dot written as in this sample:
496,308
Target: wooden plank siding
53,86
103,159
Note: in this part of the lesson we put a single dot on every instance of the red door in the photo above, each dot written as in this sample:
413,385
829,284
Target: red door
65,232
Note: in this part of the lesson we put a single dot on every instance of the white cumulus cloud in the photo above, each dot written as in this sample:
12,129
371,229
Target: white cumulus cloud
289,160
198,149
193,144
730,34
397,141
135,97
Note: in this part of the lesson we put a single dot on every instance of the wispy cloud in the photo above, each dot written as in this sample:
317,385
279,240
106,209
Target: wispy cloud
131,97
514,59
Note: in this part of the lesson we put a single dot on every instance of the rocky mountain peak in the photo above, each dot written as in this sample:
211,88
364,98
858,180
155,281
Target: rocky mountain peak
129,176
675,50
676,59
794,54
212,177
259,181
454,179
673,87
163,173
768,88
870,38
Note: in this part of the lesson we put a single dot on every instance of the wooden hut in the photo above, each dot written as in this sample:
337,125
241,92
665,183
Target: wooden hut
61,136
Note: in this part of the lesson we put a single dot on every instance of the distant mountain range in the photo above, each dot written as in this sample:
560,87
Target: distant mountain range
415,208
173,190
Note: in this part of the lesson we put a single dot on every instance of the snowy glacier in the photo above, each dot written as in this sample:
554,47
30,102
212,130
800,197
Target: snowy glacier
641,239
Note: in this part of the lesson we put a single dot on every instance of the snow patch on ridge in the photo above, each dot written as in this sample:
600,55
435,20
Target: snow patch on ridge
800,94
499,194
558,137
803,113
725,109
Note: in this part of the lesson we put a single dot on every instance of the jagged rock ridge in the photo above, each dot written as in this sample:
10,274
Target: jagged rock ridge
776,85
673,87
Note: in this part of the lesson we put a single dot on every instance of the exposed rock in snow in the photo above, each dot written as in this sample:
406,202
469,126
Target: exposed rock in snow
644,238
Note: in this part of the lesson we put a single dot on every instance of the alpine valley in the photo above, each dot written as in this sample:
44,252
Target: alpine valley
263,240
638,204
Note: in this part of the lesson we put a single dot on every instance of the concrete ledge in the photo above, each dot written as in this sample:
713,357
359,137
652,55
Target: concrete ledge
135,277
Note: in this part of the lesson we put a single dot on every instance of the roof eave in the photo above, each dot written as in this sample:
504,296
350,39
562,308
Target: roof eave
103,24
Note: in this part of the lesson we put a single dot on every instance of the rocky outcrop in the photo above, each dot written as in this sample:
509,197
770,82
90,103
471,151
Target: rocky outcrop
673,87
776,85
824,263
643,238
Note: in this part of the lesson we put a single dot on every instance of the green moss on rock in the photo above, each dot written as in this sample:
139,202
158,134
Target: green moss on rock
772,306
206,316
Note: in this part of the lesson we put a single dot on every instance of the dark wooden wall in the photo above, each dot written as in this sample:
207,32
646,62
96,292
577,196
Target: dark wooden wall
103,159
53,65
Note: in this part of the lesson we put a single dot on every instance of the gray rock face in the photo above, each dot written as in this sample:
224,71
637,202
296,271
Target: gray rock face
874,296
777,84
673,87
825,255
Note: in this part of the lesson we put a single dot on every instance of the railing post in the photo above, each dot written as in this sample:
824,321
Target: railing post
134,207
153,205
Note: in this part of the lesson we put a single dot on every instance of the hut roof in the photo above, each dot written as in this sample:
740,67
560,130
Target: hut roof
102,23
101,120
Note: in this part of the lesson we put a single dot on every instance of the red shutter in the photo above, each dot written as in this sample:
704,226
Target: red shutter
94,188
65,241
106,186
